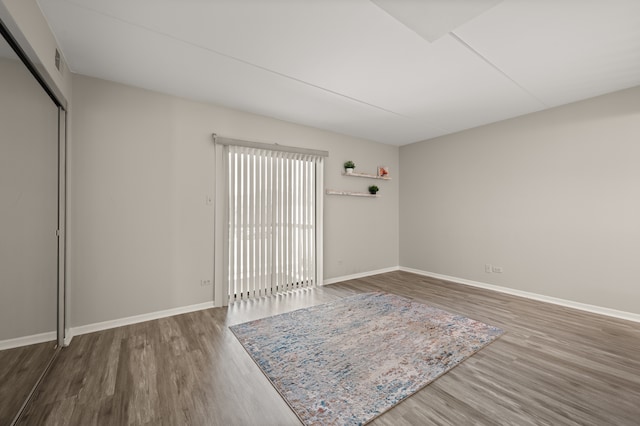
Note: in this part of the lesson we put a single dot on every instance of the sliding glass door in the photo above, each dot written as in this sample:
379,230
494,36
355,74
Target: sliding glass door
31,221
273,232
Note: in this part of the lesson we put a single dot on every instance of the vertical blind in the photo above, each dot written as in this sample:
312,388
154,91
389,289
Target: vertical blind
272,210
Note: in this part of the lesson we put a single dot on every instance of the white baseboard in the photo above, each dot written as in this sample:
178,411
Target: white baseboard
360,275
629,316
17,342
105,325
90,328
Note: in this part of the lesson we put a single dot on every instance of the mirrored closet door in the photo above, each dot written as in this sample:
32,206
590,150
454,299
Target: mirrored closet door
29,220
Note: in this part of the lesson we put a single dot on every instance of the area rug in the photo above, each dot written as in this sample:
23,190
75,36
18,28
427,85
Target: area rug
350,360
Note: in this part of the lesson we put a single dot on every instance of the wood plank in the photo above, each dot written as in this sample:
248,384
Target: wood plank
20,369
365,175
350,193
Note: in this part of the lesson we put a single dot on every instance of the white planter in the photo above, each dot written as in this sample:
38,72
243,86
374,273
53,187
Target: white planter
349,171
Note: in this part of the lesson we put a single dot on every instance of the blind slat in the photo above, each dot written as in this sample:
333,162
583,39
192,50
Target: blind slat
232,222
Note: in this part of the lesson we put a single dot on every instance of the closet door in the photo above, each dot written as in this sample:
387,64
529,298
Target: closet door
28,224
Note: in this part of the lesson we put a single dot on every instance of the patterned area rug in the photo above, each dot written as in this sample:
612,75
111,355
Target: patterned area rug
348,361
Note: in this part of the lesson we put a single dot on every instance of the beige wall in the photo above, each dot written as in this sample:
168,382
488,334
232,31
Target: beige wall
552,197
28,204
141,165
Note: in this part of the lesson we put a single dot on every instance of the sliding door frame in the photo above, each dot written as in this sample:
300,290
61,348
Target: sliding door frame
18,41
221,210
28,56
62,222
221,229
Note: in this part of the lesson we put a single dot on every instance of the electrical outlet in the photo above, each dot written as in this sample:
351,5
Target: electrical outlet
497,269
487,268
205,283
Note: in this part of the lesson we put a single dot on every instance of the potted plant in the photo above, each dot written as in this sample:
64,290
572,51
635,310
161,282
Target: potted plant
349,166
373,189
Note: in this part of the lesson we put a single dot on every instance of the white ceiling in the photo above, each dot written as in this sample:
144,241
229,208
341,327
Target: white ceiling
365,68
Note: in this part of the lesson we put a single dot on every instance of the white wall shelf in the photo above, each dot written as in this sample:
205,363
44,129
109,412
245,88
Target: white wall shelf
365,175
351,193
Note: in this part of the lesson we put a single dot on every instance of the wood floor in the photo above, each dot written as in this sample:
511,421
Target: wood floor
20,369
553,366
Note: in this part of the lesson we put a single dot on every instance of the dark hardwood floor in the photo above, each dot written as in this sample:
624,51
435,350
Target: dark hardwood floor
553,366
20,369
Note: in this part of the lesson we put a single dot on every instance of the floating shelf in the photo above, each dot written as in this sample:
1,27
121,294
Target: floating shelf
365,175
351,193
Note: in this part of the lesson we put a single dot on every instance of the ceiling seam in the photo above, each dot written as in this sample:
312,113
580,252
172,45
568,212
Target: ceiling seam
240,60
399,21
495,67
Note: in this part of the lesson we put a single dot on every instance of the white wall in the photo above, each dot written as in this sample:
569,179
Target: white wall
552,197
141,165
28,204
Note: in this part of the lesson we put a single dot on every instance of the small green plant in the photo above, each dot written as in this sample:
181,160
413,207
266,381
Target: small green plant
349,165
373,189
